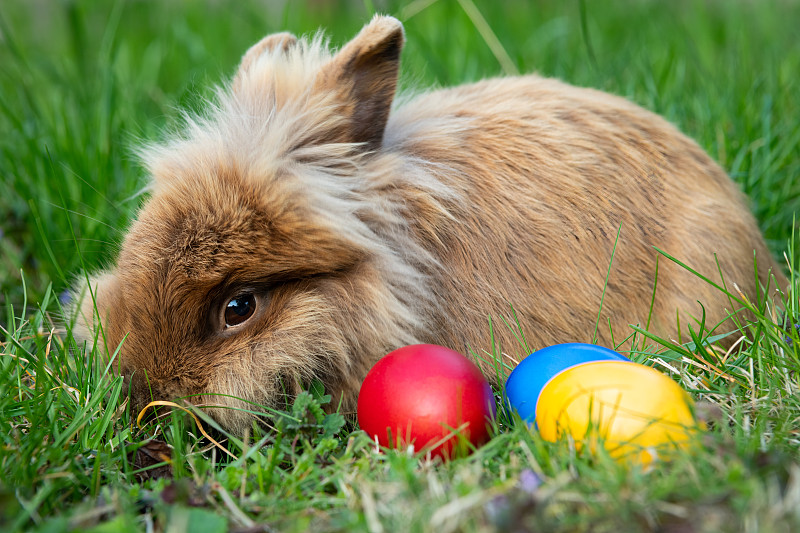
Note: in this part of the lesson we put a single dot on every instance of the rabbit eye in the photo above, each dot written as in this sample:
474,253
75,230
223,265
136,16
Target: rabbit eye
239,309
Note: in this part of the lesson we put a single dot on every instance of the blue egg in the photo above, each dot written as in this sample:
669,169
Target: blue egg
527,380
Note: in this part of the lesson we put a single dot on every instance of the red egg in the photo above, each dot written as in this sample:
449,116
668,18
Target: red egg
428,396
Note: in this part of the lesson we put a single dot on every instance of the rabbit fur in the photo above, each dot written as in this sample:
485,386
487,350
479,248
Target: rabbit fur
342,228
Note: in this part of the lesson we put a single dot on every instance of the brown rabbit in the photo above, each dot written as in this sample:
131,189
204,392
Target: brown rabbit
302,229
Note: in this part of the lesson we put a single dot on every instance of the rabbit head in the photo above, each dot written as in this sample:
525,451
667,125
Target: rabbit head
253,267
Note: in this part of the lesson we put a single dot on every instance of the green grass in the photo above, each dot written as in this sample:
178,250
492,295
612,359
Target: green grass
81,82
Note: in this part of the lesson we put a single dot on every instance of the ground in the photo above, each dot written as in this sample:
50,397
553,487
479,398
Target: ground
82,82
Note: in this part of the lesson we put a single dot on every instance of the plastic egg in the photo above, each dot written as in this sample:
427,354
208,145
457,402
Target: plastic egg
598,397
427,396
526,381
633,410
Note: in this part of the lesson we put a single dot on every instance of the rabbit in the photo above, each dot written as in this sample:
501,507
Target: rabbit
303,227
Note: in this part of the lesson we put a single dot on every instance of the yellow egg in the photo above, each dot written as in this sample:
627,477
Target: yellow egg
633,410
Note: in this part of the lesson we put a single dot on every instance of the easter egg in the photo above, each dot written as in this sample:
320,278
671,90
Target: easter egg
632,410
526,381
427,396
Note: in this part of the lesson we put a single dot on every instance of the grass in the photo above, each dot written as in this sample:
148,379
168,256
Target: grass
81,81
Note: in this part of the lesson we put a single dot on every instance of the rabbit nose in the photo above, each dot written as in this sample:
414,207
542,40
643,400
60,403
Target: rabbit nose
143,391
143,415
146,388
143,410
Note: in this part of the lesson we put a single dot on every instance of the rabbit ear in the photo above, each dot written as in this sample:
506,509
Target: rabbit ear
277,41
364,75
